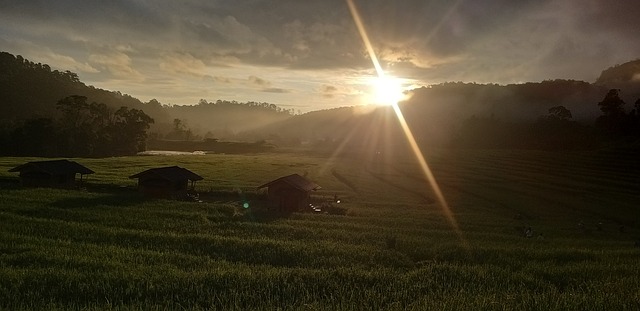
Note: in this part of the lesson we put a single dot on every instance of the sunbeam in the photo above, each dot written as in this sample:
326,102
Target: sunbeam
405,127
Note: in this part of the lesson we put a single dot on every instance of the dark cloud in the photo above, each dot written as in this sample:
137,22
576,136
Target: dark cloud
265,86
258,81
433,41
91,16
443,28
221,79
616,17
328,91
274,90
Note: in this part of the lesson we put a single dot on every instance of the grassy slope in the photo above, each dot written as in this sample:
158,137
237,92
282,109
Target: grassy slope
394,249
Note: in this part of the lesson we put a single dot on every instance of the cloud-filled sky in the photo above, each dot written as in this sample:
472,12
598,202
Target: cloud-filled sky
308,55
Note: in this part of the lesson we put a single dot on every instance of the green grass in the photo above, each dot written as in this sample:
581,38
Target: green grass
108,248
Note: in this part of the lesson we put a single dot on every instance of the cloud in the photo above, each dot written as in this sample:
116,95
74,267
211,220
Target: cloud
117,63
274,90
321,44
183,64
616,17
47,56
68,62
258,81
221,79
265,86
220,43
328,91
224,34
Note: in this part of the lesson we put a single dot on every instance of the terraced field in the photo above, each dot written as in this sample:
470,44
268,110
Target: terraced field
107,248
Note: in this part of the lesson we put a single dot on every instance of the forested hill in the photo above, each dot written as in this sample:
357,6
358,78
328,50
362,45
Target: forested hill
438,114
552,114
30,90
220,119
621,76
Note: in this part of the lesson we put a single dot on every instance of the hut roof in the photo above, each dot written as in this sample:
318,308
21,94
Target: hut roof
53,167
295,181
170,173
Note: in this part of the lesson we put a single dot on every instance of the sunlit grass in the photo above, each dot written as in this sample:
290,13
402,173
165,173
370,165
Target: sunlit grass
110,248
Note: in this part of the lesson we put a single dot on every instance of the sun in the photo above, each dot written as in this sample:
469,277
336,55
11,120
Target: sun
387,90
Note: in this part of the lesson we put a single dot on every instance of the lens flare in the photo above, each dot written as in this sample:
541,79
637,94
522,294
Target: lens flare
405,127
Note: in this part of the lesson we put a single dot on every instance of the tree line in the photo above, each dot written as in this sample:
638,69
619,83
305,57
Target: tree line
38,117
81,129
30,90
557,130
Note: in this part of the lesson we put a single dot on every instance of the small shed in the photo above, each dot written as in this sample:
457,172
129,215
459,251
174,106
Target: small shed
171,182
290,193
52,173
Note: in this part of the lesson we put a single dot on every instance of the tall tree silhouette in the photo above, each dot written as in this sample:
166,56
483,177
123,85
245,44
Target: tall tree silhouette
612,104
614,121
131,127
560,113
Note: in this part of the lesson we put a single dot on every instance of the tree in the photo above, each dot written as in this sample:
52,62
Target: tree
74,109
179,131
612,104
36,137
560,113
614,120
179,125
100,115
96,130
130,130
635,118
76,129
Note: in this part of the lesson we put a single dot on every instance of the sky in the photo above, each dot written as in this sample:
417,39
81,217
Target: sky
308,55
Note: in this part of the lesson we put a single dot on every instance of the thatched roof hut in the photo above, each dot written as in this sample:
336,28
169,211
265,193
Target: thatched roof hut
52,173
290,193
172,182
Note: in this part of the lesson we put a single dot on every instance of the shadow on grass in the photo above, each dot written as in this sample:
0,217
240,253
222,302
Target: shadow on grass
230,195
122,199
265,215
9,183
253,207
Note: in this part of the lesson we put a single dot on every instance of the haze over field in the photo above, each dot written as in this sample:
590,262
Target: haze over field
308,55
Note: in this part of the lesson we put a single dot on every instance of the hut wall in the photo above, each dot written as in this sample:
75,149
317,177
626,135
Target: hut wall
40,179
287,198
163,189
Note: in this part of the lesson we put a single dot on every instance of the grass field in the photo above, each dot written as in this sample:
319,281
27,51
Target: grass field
395,249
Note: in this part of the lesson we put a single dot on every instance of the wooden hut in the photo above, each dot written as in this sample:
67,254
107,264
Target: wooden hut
52,173
172,182
290,193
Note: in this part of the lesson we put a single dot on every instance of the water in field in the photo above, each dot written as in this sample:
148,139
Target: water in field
169,153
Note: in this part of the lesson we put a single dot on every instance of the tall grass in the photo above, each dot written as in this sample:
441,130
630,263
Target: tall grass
108,248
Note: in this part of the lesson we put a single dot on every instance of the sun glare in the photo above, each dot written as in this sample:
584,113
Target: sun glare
387,90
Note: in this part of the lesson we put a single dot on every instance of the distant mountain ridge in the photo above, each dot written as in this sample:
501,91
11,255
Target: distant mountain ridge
437,112
29,90
628,72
